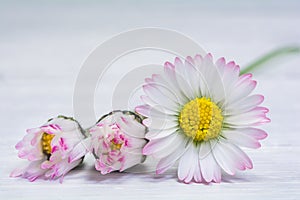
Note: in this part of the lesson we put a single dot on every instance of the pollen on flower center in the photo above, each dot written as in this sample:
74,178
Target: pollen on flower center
115,145
201,119
46,143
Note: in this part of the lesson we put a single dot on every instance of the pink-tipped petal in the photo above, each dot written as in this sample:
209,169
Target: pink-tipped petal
244,105
253,117
161,95
165,163
17,172
223,159
209,168
157,145
186,165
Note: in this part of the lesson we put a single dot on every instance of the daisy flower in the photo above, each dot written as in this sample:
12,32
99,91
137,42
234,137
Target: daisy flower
116,141
48,149
201,112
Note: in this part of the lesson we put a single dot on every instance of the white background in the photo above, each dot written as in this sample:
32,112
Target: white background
42,47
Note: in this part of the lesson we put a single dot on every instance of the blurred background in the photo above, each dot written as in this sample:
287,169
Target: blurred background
44,43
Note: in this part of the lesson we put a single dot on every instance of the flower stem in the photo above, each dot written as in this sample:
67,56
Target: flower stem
269,56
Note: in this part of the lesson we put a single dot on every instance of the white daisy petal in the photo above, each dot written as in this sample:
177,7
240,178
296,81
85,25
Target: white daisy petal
254,117
202,82
179,81
224,159
221,63
204,150
148,101
149,80
156,134
168,92
193,76
143,110
255,133
244,160
233,157
188,77
241,90
194,165
166,82
185,87
217,172
159,144
204,71
245,78
230,76
209,168
197,173
164,98
198,59
148,111
165,163
237,136
186,165
180,68
154,105
161,123
170,147
214,80
244,105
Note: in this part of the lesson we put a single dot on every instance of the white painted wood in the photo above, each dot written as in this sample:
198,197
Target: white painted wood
43,45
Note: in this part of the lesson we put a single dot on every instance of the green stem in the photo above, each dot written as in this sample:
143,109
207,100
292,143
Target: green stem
269,56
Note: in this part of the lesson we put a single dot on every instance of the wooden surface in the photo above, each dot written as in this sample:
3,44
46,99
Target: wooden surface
42,47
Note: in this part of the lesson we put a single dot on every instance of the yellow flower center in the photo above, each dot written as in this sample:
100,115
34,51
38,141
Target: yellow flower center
46,143
201,119
115,146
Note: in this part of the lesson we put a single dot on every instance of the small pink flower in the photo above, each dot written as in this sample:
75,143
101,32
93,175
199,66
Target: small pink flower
48,149
117,141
